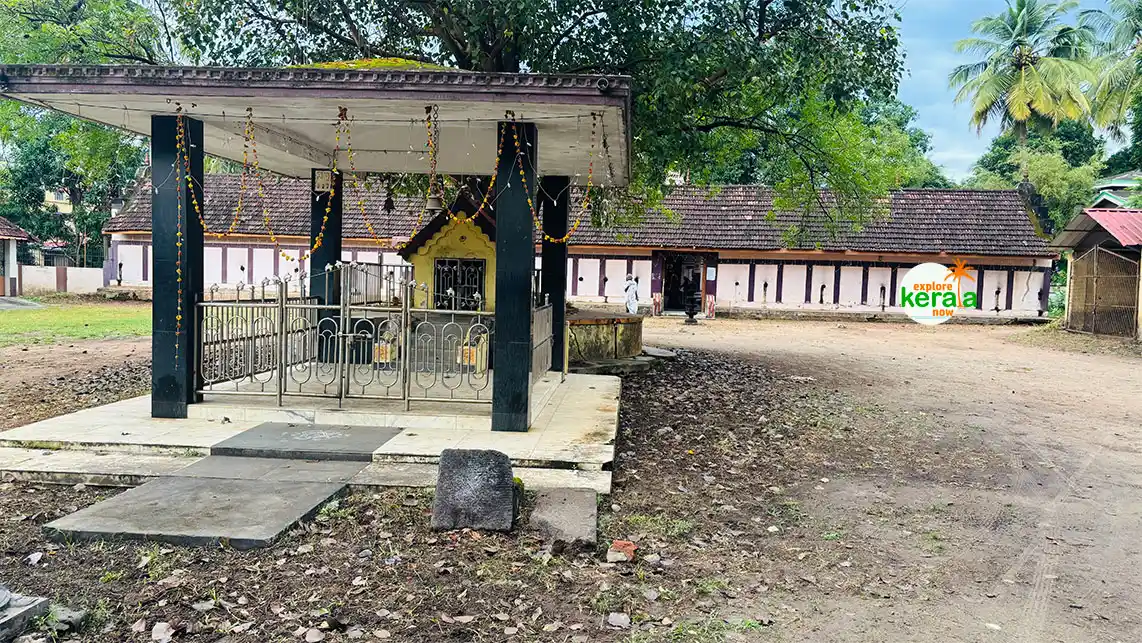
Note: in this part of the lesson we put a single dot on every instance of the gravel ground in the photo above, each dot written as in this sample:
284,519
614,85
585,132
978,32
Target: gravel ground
822,482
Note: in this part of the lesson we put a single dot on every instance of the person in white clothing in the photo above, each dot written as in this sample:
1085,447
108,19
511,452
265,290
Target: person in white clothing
631,291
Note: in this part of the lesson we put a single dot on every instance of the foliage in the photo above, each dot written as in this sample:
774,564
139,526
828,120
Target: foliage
47,151
1032,70
90,31
1065,188
1116,91
1075,140
781,76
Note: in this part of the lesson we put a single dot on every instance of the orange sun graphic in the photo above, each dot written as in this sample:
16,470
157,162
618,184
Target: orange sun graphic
958,272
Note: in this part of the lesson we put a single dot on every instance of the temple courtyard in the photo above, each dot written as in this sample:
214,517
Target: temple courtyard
786,481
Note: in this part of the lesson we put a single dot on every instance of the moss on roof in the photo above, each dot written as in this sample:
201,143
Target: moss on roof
375,63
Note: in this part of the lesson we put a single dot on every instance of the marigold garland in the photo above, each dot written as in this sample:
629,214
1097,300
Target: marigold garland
531,203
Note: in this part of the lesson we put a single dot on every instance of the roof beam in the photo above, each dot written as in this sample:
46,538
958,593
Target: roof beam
270,137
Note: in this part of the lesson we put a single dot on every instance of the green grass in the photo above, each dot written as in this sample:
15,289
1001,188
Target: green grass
63,320
661,525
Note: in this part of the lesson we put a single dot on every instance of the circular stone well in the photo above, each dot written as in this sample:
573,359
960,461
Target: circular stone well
596,335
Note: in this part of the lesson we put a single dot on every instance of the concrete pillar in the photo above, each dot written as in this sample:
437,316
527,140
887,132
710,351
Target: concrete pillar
515,259
178,239
12,270
556,195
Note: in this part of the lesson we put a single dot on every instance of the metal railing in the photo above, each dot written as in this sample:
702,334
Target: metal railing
373,344
542,321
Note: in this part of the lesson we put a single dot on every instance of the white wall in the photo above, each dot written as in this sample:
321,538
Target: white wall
211,266
1026,288
878,277
793,286
263,264
616,278
733,284
39,279
588,277
84,281
764,294
132,259
642,270
851,280
993,279
823,276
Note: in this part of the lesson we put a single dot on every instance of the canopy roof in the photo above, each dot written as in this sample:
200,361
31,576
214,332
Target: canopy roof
1123,224
294,112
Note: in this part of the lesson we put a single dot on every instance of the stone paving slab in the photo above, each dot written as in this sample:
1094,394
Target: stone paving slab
273,469
566,517
307,441
103,468
198,512
400,474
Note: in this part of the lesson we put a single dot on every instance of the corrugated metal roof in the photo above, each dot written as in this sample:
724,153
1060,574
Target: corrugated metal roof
1123,224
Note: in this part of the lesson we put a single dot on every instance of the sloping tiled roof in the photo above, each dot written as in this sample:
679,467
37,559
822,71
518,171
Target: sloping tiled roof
981,222
971,222
9,230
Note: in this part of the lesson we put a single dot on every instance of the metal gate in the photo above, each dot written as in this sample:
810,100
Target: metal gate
381,340
1103,293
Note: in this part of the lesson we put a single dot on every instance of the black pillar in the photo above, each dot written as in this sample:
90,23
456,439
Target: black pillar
555,196
326,186
515,260
177,246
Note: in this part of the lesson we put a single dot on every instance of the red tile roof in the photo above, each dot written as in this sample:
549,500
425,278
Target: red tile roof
1122,224
733,217
9,230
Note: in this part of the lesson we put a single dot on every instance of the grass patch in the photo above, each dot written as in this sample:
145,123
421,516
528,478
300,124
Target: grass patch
661,525
703,631
65,319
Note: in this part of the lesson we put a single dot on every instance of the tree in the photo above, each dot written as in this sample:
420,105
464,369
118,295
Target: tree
918,171
1115,92
45,151
1075,140
1066,189
779,74
1032,71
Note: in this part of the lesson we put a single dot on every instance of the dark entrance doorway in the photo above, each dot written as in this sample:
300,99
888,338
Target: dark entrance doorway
681,276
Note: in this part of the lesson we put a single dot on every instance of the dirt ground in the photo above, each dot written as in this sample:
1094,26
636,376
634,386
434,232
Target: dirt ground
784,481
996,493
39,381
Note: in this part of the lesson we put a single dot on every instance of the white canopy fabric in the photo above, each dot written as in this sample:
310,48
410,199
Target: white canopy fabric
295,112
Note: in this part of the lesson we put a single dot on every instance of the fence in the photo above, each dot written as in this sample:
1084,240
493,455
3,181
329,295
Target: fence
375,343
1103,293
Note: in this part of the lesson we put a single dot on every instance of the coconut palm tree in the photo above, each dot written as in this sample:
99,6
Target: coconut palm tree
1033,70
1119,82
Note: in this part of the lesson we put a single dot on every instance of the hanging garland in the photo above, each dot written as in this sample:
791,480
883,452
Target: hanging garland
184,155
586,196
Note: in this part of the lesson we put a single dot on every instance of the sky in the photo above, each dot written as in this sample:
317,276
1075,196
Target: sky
929,30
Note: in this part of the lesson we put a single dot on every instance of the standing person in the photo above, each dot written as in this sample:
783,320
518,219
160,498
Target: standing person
631,291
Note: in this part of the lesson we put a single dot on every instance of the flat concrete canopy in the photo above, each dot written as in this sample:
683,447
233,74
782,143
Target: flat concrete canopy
295,111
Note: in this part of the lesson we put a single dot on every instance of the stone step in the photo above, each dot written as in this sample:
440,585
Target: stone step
117,469
186,511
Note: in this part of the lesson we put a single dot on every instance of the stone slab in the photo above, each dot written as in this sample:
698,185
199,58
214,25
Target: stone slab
566,517
198,511
273,469
19,614
307,441
475,489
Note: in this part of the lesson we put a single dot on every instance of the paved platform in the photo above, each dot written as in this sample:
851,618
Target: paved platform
574,429
307,441
198,511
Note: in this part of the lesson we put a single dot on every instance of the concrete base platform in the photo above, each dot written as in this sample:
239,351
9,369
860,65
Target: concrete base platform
307,441
198,511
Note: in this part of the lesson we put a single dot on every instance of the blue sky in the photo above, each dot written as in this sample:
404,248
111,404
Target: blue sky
929,30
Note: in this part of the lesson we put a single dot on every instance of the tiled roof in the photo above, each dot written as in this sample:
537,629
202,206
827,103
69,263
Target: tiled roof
9,230
734,217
